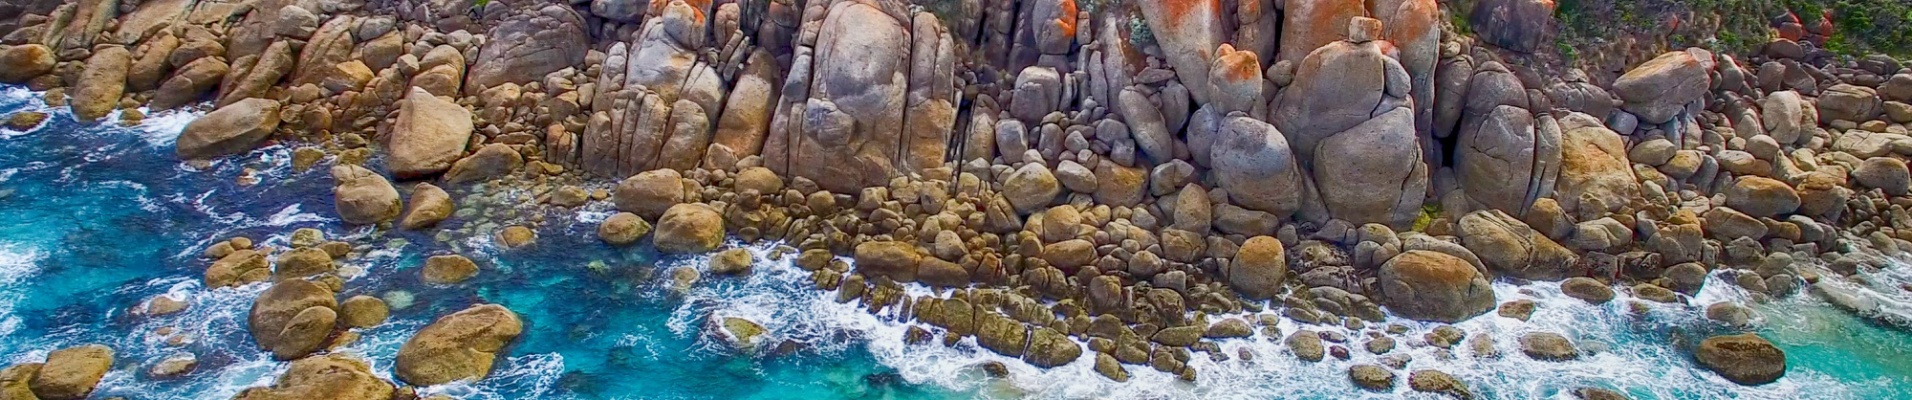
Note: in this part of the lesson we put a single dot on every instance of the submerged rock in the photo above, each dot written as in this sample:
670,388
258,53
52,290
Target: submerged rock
457,346
622,229
1746,359
448,269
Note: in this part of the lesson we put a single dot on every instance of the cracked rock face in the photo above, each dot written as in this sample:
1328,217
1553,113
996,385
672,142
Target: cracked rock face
870,69
527,46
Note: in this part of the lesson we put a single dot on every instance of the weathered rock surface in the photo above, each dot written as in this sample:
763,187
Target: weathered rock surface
458,346
1433,286
233,129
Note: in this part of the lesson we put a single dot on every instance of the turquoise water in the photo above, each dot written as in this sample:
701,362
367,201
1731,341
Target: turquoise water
97,219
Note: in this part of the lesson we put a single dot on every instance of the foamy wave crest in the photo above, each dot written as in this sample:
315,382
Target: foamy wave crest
163,129
524,377
16,265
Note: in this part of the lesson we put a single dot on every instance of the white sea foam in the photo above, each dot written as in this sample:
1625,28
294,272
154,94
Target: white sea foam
163,129
1621,350
17,264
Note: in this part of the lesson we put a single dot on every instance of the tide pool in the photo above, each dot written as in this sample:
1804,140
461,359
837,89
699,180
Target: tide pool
100,218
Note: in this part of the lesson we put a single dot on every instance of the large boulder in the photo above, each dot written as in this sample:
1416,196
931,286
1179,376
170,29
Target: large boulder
1662,87
1259,268
233,129
19,64
1373,172
1252,161
843,109
1339,86
71,373
428,136
650,193
1031,188
689,228
623,228
527,46
489,162
1432,286
1787,117
1188,32
1507,160
1508,246
1746,359
330,376
429,206
1762,197
98,90
1849,103
896,260
1593,165
363,197
190,83
1884,173
459,346
293,318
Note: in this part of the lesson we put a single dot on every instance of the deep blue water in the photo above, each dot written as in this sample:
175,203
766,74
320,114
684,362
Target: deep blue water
97,219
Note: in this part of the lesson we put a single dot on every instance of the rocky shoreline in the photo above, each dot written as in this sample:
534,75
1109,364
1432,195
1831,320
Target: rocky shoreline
1128,182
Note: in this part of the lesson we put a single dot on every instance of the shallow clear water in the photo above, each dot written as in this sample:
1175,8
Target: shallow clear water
99,218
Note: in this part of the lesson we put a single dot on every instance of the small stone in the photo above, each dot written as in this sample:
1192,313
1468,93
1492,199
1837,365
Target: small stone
623,228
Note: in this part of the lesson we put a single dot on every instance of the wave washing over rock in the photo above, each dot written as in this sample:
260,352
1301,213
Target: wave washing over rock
1132,199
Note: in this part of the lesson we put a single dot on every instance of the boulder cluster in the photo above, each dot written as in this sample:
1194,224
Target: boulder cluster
1097,181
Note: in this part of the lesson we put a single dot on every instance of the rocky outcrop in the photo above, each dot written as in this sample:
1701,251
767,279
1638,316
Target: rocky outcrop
458,346
428,136
1432,286
1662,87
1505,159
1347,117
331,376
1595,175
293,318
233,129
528,45
655,99
850,86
